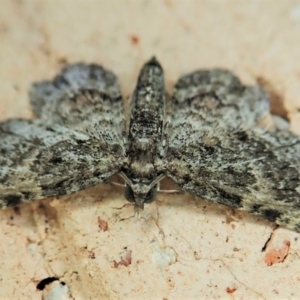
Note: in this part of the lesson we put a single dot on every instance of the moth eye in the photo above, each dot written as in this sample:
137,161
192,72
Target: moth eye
128,193
150,197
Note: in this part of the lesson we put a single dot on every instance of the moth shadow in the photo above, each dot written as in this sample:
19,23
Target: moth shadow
108,195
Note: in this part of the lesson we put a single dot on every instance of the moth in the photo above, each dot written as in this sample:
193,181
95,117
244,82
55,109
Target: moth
214,137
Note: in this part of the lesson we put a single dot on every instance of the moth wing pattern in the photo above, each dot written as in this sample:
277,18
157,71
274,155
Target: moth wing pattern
217,150
82,97
218,97
78,140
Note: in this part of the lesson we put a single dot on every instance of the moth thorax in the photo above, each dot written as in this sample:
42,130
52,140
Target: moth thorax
142,169
145,134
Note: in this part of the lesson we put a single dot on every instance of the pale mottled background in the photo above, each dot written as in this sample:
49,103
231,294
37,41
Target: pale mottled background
183,248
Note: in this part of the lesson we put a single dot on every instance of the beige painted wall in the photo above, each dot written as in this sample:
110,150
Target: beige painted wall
182,248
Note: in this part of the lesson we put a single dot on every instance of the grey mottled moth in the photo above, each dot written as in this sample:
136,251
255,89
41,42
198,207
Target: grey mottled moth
214,137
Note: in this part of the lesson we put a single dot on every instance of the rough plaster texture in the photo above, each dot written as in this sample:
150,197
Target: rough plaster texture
183,247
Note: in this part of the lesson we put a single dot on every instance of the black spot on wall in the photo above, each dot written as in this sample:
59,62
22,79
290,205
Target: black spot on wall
42,284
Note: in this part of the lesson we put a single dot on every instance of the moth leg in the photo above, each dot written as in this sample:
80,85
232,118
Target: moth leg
179,191
176,190
115,183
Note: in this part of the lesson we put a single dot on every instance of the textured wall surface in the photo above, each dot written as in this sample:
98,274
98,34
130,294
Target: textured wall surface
183,247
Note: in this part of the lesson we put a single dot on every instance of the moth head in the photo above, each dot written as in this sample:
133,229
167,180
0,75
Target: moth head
141,191
139,194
